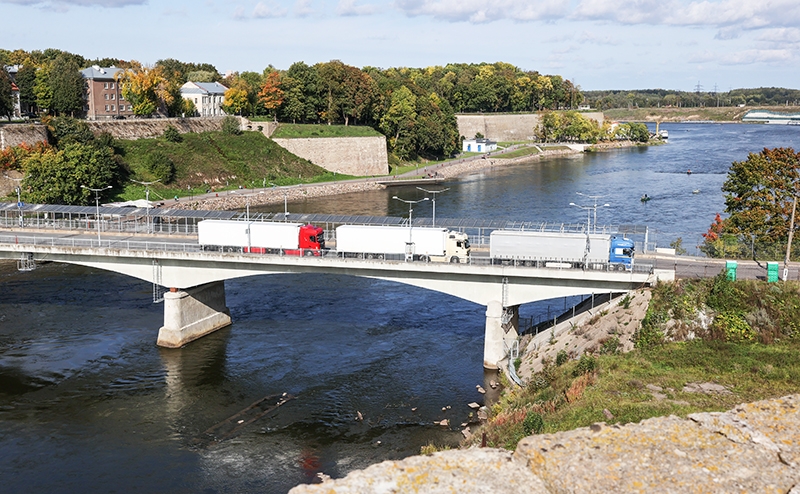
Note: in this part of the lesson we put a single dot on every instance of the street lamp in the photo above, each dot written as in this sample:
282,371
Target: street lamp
147,198
285,207
97,206
434,192
18,190
247,204
409,244
594,198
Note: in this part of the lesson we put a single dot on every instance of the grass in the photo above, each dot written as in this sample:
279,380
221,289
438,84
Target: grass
517,153
218,161
576,394
296,131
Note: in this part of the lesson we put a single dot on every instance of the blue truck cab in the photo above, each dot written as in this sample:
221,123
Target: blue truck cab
621,255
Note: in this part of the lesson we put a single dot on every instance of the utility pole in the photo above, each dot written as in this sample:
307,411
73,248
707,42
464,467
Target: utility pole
789,245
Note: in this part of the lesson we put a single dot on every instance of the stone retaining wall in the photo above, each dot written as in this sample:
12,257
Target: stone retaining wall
144,128
16,134
359,156
504,128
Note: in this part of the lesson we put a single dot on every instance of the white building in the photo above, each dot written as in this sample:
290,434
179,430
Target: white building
207,97
478,145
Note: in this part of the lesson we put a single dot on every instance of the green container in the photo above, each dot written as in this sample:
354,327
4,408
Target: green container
772,272
730,269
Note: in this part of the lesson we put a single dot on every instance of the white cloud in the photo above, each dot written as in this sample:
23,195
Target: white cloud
271,11
482,11
595,39
745,57
302,8
350,8
789,35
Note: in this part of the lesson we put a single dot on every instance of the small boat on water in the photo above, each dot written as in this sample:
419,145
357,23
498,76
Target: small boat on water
689,172
663,134
696,191
645,198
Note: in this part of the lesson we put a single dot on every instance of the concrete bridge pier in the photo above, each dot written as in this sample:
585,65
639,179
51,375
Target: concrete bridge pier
192,313
502,325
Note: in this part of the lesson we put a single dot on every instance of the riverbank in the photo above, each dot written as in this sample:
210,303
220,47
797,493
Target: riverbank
239,199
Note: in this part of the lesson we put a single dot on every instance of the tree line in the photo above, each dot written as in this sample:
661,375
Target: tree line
414,107
653,98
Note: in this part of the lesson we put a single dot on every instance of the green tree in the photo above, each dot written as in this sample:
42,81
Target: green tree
6,101
26,81
759,193
67,84
56,176
42,87
398,122
67,130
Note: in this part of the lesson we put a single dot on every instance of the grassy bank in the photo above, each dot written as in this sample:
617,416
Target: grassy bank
218,161
751,350
297,131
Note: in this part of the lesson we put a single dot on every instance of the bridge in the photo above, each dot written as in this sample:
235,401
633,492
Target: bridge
195,303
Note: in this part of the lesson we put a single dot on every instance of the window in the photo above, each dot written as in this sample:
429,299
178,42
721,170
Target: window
112,85
112,108
113,95
106,107
121,97
105,95
105,85
130,107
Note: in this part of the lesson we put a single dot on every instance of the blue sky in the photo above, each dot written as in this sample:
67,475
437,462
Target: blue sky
599,44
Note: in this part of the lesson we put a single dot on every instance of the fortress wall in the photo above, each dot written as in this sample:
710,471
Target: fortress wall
349,155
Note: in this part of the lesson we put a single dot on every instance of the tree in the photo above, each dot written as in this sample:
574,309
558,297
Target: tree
759,193
42,87
67,84
66,130
26,81
141,86
6,101
56,176
398,121
237,101
271,95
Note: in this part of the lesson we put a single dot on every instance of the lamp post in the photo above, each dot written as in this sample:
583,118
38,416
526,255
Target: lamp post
434,192
285,206
594,198
97,206
409,244
147,198
18,190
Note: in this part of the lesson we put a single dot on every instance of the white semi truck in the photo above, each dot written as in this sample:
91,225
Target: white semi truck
395,242
262,237
552,249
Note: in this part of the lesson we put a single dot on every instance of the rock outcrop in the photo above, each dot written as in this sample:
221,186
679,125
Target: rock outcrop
753,448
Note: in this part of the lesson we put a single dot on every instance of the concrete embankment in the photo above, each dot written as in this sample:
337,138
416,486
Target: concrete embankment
754,447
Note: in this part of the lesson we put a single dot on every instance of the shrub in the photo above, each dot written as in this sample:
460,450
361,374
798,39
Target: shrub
533,424
172,135
586,364
561,357
610,346
731,326
161,166
230,125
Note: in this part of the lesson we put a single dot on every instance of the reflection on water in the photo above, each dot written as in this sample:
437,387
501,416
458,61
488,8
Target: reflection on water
89,403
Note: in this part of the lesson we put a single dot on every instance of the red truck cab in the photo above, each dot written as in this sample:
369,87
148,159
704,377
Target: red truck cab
311,241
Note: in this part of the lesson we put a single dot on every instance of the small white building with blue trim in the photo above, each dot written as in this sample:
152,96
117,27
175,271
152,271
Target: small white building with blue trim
207,97
478,145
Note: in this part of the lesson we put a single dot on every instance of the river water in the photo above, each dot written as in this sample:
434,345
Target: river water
89,403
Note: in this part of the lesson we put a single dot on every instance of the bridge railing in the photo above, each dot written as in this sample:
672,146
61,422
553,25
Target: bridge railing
163,246
89,225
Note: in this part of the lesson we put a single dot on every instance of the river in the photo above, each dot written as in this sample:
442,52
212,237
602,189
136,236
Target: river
89,403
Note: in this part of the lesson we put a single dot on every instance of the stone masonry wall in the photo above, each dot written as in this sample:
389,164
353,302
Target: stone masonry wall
358,156
511,127
143,128
14,135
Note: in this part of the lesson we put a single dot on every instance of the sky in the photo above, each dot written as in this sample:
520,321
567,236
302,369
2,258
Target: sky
598,44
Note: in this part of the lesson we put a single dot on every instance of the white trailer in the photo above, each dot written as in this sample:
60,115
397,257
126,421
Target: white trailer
231,233
557,248
435,244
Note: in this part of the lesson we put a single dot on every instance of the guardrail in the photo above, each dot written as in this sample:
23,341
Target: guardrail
161,246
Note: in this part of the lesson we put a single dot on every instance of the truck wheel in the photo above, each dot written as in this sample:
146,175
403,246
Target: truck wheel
454,259
370,256
360,256
309,252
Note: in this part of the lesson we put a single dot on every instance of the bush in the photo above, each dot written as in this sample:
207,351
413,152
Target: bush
533,424
561,357
161,166
586,364
230,125
172,135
